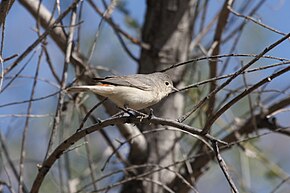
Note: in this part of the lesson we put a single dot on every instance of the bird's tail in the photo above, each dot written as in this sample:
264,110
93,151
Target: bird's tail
76,89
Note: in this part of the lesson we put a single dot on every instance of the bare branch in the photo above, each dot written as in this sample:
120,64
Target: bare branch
201,102
224,168
25,131
47,164
221,24
68,54
246,92
5,6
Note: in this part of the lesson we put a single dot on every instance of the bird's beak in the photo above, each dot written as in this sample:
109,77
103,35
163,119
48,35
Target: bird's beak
175,89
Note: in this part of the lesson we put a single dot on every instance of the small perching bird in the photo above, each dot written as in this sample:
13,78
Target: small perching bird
137,91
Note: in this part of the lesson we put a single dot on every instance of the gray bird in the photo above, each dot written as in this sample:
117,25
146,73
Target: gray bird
137,91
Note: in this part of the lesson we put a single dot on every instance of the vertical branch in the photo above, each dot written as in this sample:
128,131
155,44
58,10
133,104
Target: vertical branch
29,108
238,31
203,16
222,21
2,72
51,67
229,80
167,30
78,37
1,55
62,166
9,183
5,6
223,166
249,99
90,163
106,14
4,150
105,136
25,131
243,94
88,150
117,30
56,120
50,27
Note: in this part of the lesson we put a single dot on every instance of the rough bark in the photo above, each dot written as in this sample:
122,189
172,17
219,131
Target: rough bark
167,29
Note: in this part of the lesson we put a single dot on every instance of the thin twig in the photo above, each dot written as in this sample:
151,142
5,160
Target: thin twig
121,143
25,131
106,14
240,96
117,28
216,43
241,26
10,161
2,17
223,166
155,168
26,101
121,40
108,140
42,37
26,115
249,99
50,160
231,74
10,57
9,187
29,109
49,82
51,67
18,73
89,114
228,81
191,61
90,162
5,7
280,184
255,21
2,73
68,53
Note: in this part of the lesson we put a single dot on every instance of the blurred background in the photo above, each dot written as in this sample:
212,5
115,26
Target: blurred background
259,168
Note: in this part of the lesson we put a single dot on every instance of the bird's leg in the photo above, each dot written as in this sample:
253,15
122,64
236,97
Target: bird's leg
128,110
119,114
150,115
137,112
141,114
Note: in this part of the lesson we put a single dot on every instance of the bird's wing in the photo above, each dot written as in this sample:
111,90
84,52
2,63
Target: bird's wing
137,81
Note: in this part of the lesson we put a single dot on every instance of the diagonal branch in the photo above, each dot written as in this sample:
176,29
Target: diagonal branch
222,21
61,96
55,155
237,73
243,94
51,28
262,122
77,59
5,6
46,20
224,168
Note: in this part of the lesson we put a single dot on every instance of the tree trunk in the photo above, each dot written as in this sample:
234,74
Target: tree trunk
167,29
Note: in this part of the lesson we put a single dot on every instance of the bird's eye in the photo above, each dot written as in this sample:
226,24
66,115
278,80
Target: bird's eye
166,83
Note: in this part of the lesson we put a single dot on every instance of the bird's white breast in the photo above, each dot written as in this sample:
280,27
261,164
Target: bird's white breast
132,97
